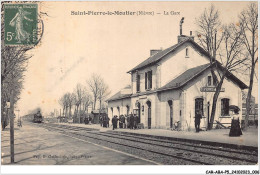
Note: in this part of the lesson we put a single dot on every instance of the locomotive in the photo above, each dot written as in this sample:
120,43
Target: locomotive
38,118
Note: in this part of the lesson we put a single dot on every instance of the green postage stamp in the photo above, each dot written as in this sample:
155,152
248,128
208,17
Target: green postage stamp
20,24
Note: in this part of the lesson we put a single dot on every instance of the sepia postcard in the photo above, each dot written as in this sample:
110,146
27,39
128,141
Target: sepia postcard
126,83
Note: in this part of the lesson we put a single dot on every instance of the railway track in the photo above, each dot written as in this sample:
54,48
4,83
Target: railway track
160,150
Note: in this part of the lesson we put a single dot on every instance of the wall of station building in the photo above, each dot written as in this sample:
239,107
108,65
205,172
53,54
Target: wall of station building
177,62
119,107
183,102
231,92
170,67
144,100
155,78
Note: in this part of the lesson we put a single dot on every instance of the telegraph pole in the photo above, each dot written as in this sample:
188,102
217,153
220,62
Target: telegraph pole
11,115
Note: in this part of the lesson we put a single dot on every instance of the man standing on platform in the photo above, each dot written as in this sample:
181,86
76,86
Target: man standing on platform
131,121
135,121
120,122
114,122
123,121
198,116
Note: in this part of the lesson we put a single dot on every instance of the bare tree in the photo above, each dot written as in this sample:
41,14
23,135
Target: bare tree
249,26
70,101
103,92
212,35
231,57
16,84
63,101
80,92
209,31
94,86
86,101
210,39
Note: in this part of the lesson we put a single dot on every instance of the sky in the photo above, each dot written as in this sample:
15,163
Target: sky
74,47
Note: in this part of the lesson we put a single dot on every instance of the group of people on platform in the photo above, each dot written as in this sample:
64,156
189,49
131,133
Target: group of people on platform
125,121
104,121
131,121
87,120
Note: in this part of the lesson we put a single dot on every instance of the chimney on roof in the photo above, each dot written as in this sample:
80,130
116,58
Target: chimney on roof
191,37
181,22
182,37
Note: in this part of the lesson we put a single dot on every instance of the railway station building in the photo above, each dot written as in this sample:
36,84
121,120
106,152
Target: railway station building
172,84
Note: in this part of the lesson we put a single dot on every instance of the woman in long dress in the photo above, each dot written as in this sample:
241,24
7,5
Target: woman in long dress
17,22
235,125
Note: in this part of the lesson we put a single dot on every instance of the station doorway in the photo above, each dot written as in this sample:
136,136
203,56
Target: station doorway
199,105
149,114
171,113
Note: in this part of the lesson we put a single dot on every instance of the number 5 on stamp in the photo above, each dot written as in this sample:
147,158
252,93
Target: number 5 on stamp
20,24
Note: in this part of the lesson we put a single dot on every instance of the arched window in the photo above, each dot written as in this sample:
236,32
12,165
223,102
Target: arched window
137,83
224,106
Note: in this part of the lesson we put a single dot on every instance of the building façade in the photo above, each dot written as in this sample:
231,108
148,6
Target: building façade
172,84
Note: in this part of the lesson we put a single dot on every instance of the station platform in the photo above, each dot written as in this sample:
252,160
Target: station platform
214,136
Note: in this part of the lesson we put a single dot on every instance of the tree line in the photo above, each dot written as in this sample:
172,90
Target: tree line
233,48
94,92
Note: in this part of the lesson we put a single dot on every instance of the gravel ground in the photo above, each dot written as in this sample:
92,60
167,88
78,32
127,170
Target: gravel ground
162,151
239,154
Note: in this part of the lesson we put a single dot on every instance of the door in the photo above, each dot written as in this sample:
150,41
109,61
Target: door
199,105
171,113
139,113
171,116
149,115
149,118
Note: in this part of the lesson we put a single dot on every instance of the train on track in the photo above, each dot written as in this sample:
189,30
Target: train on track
38,118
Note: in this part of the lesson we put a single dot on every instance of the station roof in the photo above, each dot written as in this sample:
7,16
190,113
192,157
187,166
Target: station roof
184,78
120,95
179,82
192,73
160,55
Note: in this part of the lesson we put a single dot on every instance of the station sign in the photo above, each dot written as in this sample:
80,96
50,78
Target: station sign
211,89
143,97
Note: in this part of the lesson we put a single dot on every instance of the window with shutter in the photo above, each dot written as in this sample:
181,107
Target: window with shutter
214,81
148,80
145,80
137,83
224,107
209,80
151,79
